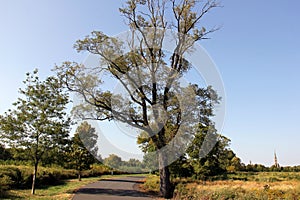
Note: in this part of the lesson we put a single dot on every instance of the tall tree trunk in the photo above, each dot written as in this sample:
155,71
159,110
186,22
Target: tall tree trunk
166,188
34,178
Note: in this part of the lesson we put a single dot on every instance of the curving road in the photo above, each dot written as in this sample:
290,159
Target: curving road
120,188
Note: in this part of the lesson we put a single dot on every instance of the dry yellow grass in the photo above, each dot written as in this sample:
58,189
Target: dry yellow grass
260,187
246,185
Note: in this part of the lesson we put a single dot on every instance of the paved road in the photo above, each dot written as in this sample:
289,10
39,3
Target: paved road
120,188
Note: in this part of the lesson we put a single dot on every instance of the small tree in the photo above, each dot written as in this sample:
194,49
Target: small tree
39,122
81,147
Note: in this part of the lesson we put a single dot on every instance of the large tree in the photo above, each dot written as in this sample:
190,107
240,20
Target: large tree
157,103
39,122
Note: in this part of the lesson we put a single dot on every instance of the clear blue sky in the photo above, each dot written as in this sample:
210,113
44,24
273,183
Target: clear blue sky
257,52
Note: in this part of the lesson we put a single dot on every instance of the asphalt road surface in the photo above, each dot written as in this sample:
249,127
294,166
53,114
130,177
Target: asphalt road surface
120,188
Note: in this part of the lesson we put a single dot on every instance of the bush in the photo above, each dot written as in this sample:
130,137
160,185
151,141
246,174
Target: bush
5,184
151,184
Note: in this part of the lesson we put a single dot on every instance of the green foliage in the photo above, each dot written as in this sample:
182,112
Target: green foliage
79,155
21,176
97,170
5,184
38,122
181,168
133,166
113,161
217,161
4,153
150,161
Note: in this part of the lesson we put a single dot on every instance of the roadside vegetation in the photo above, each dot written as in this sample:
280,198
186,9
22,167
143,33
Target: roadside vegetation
62,191
52,182
240,186
16,180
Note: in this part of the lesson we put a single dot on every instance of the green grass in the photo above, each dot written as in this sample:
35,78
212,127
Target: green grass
63,191
266,176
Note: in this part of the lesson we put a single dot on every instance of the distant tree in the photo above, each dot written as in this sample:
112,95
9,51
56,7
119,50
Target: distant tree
132,166
113,161
150,161
234,164
83,148
249,168
39,122
133,162
260,168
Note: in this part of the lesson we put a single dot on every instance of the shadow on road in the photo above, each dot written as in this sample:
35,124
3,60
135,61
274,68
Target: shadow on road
122,180
115,192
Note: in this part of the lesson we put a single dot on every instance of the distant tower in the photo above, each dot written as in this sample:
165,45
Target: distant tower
276,164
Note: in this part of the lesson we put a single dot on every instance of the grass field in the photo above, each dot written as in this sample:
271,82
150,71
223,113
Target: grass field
240,186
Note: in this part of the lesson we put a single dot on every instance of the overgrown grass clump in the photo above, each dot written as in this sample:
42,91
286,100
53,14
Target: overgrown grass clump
151,184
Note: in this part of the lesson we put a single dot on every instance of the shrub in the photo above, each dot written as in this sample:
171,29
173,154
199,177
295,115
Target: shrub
151,184
5,184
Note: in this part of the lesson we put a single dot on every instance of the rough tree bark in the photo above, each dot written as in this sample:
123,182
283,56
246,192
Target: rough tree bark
166,187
